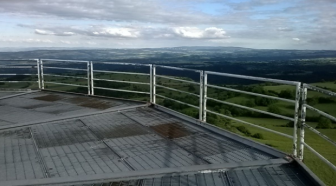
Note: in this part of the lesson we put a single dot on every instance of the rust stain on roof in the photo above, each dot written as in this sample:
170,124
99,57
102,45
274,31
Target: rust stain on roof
171,130
90,102
49,97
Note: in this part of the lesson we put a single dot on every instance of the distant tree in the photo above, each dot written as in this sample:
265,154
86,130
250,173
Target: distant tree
289,94
244,130
258,136
290,124
274,109
313,101
191,88
260,101
258,89
250,103
324,123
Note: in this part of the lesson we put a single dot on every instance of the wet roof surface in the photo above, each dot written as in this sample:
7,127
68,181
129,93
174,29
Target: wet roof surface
47,105
126,141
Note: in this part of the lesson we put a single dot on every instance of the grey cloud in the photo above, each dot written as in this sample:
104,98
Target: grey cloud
284,29
134,32
113,10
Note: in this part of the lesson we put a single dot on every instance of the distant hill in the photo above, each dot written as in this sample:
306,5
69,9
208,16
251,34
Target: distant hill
184,53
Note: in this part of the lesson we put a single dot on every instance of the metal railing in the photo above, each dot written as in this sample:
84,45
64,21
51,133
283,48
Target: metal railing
200,84
304,125
57,68
296,102
7,70
93,77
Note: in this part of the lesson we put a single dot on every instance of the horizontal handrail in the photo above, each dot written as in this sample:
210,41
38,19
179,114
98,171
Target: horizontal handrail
119,81
65,76
76,69
251,93
248,123
18,81
178,68
26,66
121,90
185,81
253,78
18,59
164,97
75,85
121,63
18,74
320,112
320,134
117,72
177,90
320,156
252,109
321,90
60,60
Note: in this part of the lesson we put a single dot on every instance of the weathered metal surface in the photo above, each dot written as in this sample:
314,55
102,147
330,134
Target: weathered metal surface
171,130
49,97
303,122
296,117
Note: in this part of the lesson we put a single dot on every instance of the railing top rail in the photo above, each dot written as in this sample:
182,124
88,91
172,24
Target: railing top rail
321,90
18,66
122,63
253,78
62,60
18,59
178,68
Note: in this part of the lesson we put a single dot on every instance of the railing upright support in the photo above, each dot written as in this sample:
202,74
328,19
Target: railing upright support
42,76
88,76
154,84
296,117
38,73
201,96
303,121
205,83
151,83
91,78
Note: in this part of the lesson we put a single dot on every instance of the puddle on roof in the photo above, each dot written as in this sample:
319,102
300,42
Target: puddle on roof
96,104
90,102
171,130
124,131
36,106
49,97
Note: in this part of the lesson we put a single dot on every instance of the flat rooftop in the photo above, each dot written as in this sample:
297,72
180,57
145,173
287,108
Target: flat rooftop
50,138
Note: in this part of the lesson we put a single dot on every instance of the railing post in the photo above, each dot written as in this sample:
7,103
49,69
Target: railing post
38,73
303,121
154,83
91,78
201,96
296,117
205,83
151,83
42,76
88,76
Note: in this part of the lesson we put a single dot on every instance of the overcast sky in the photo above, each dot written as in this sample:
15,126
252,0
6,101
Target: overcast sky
281,24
